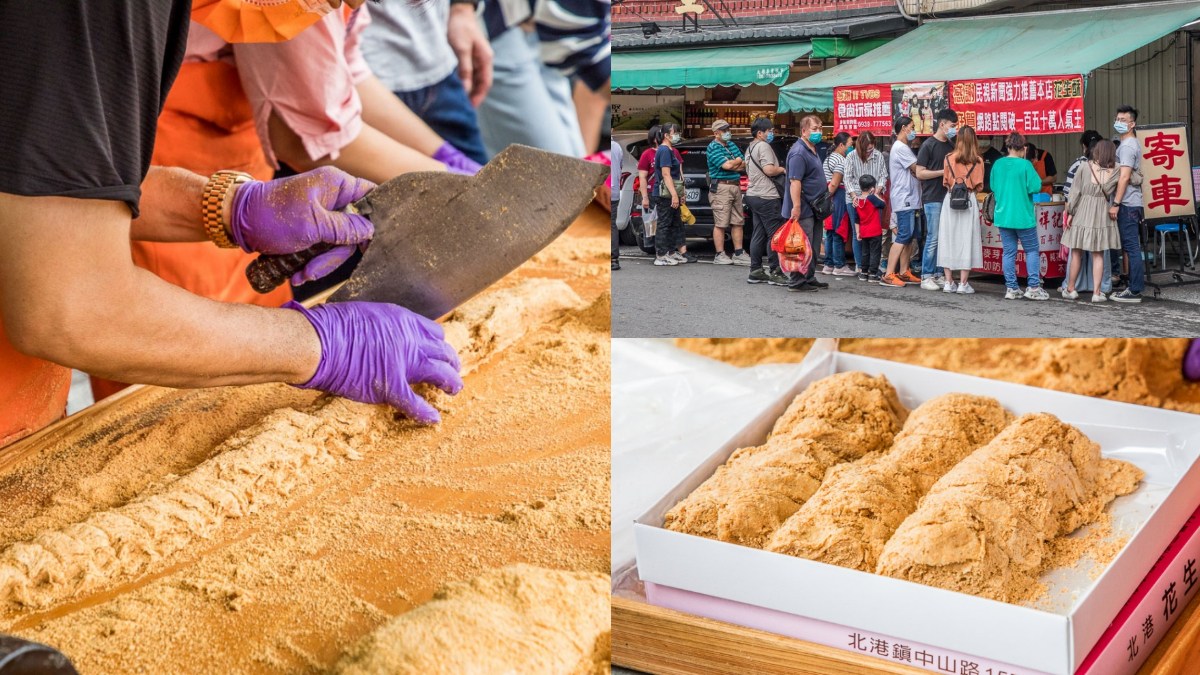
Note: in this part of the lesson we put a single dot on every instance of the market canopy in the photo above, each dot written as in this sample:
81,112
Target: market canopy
1015,45
711,67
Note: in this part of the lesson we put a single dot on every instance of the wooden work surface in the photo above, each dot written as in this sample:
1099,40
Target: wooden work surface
666,642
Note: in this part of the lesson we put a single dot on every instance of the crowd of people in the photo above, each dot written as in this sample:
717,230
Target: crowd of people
911,214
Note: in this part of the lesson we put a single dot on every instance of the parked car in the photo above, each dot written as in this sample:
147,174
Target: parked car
629,206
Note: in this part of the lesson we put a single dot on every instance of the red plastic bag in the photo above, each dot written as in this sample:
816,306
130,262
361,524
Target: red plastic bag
793,246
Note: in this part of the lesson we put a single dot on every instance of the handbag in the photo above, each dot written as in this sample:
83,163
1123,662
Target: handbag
779,181
793,246
960,195
1107,197
989,208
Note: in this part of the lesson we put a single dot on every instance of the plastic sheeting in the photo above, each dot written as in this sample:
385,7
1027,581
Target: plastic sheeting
671,410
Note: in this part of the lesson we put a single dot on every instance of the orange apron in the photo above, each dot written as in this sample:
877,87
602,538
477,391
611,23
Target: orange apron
258,20
206,125
33,392
1040,165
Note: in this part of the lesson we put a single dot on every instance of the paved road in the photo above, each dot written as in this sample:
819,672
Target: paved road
704,300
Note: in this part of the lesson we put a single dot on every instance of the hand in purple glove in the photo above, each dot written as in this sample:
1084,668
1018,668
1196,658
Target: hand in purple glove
1191,361
372,351
455,161
290,214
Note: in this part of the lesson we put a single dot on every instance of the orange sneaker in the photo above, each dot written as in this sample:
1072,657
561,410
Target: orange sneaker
892,280
909,277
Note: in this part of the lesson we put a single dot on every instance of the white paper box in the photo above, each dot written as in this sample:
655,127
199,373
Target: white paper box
1163,443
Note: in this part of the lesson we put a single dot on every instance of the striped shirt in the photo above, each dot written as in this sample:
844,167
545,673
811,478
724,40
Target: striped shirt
834,163
718,154
574,36
855,168
1071,175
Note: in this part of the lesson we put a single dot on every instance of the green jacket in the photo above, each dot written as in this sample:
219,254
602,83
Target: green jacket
1014,182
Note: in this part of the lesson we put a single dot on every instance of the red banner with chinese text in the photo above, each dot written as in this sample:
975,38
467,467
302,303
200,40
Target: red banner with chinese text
865,108
1029,105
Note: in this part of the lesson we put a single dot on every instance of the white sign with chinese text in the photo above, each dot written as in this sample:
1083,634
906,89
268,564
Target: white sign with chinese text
1167,189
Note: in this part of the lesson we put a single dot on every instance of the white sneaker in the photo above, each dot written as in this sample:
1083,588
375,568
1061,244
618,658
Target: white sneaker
940,280
827,270
1013,294
1070,295
930,285
965,289
677,257
1037,293
722,259
1099,297
743,259
949,288
664,261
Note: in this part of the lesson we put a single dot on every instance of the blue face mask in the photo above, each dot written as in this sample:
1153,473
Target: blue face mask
675,138
951,132
726,136
849,149
815,137
770,136
911,135
1121,127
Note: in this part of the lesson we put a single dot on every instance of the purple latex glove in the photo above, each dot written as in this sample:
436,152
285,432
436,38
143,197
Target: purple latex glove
372,351
290,214
1191,361
455,161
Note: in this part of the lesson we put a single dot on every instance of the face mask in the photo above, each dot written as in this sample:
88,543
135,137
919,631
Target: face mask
770,136
815,137
726,136
1121,127
675,138
849,149
951,132
912,136
985,143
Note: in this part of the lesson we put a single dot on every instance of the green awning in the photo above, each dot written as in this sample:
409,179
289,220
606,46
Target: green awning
715,66
1016,45
844,48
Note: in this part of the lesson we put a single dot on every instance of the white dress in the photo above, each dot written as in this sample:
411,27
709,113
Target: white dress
960,244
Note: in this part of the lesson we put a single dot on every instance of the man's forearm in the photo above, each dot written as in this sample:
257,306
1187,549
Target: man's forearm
388,114
591,106
372,155
99,313
170,206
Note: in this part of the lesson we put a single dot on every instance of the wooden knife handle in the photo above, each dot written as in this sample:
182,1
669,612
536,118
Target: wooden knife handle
268,272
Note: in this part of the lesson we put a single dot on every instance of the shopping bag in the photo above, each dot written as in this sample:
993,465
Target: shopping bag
685,215
793,246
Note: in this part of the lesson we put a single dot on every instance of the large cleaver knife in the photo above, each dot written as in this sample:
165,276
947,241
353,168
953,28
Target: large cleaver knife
440,238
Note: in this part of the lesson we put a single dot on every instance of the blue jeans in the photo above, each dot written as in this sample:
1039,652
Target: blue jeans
1033,261
855,244
529,102
904,227
933,217
1129,220
835,249
447,110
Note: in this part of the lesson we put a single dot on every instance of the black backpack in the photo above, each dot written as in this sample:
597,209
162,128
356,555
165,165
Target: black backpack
960,195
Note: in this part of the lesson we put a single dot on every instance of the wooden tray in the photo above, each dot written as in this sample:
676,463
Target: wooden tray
666,642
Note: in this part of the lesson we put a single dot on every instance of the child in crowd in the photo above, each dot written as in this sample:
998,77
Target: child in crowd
869,229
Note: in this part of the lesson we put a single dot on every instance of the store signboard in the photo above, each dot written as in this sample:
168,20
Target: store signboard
1049,216
1030,105
1167,189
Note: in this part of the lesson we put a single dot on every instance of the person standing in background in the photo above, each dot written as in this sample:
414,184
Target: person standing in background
1014,182
837,226
1084,281
869,230
992,150
1127,203
864,160
905,197
765,199
725,167
616,156
931,161
437,60
806,181
667,199
1089,227
538,46
1043,163
960,245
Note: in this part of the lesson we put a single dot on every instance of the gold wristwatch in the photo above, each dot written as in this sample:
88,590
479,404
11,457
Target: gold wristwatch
212,205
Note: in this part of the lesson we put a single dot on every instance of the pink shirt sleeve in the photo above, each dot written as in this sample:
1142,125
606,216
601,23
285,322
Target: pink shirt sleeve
308,82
